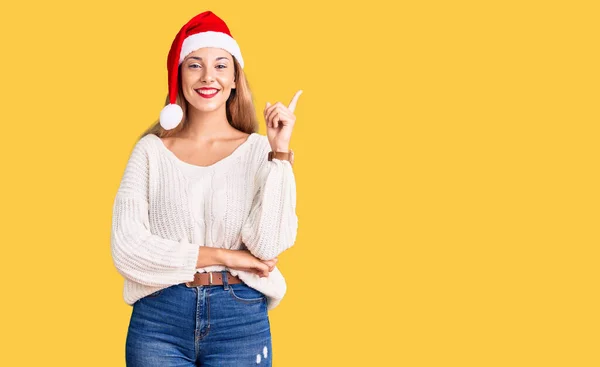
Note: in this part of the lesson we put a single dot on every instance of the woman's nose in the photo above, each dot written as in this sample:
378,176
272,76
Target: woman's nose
207,77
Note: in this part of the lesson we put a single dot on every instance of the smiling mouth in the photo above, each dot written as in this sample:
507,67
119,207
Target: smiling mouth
207,93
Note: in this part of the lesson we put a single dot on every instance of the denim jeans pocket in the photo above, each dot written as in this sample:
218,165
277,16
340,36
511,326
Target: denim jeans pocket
246,294
155,294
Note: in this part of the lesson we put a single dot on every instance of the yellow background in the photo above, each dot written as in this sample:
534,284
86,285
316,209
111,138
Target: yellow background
446,166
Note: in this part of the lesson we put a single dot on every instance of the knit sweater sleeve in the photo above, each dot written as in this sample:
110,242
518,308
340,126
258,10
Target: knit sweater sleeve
138,254
272,224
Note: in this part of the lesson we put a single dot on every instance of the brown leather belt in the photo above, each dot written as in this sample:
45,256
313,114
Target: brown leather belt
212,278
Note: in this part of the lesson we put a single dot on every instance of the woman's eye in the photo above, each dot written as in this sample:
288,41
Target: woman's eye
223,66
192,66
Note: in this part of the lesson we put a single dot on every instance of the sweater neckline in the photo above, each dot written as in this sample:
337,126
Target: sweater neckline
218,163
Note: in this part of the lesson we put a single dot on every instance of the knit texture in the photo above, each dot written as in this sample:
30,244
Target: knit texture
166,210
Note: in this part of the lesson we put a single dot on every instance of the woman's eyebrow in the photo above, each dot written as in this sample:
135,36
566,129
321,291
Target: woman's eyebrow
199,58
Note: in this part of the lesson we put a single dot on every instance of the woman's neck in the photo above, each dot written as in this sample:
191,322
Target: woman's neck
207,125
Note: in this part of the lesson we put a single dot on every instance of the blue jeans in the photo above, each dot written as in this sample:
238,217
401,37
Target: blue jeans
216,325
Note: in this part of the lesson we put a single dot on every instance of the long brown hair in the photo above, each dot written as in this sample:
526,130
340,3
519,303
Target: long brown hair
239,106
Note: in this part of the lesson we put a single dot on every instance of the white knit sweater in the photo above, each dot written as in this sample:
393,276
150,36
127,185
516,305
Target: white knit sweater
166,209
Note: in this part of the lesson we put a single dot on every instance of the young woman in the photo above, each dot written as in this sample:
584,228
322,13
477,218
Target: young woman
204,208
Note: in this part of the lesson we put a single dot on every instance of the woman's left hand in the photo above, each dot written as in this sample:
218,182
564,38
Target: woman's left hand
280,122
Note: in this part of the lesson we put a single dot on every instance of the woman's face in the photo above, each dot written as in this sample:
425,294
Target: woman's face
207,77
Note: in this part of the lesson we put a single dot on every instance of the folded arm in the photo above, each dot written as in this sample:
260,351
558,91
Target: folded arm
138,254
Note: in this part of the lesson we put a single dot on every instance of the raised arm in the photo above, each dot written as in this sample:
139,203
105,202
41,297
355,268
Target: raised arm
272,224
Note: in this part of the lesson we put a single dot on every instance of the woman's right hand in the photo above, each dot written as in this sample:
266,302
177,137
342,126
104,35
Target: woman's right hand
244,260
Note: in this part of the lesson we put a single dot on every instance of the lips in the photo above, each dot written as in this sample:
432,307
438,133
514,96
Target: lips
207,92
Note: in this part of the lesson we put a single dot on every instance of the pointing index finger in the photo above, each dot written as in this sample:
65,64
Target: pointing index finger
292,105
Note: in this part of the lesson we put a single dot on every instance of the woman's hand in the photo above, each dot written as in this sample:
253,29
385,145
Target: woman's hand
244,260
280,122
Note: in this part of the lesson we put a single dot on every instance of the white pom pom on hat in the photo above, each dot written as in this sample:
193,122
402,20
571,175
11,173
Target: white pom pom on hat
204,30
170,116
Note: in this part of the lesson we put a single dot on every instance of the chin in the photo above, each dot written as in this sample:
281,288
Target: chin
205,108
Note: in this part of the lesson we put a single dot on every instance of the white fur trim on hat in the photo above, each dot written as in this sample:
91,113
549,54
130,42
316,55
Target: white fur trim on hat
211,39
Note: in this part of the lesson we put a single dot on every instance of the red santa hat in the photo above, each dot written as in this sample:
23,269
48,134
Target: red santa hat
204,30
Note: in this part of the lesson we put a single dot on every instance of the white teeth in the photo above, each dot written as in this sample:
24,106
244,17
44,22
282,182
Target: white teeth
211,91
